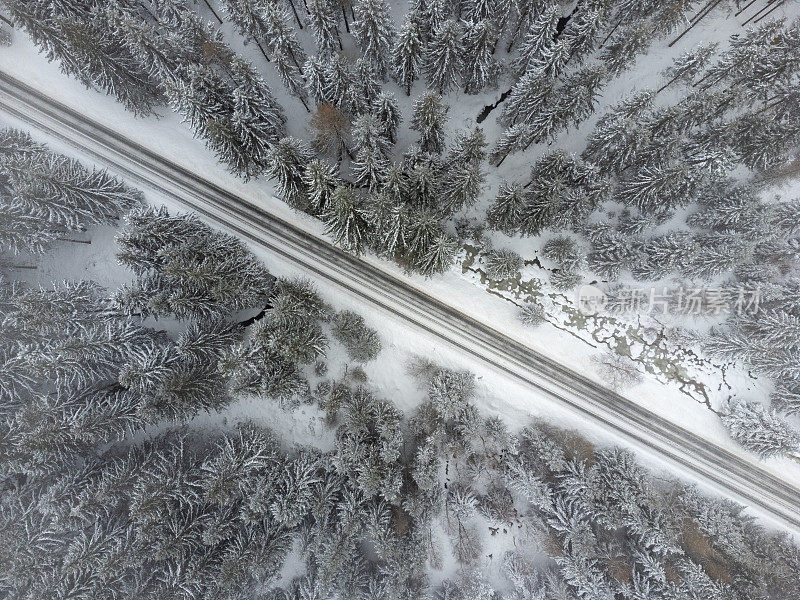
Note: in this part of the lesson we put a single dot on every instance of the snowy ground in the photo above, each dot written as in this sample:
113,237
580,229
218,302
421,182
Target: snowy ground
461,287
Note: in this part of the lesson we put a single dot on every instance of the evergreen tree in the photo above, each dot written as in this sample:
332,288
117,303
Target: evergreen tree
365,89
503,264
339,80
689,64
625,46
257,121
250,19
514,139
578,95
444,56
504,214
186,269
321,180
368,134
286,163
369,443
539,36
716,254
659,186
582,33
407,53
469,148
345,220
438,257
278,34
620,137
786,397
374,33
387,111
77,37
361,342
371,162
760,430
316,79
527,97
291,77
369,168
461,186
324,25
388,221
481,67
429,117
60,189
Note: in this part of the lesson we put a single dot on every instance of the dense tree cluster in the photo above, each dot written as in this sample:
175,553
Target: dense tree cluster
148,52
46,197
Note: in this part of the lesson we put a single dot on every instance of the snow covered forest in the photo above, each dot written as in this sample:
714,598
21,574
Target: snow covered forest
411,130
348,108
112,488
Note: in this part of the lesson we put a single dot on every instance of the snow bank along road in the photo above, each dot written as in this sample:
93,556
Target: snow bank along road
741,477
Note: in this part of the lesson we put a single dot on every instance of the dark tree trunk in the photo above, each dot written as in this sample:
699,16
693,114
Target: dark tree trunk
708,8
213,12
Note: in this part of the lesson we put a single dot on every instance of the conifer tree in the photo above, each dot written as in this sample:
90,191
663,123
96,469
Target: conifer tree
407,53
249,18
361,342
186,269
461,186
619,137
286,163
339,79
316,79
438,257
444,56
658,186
387,111
578,95
759,429
481,68
61,190
278,34
582,33
468,148
321,180
388,220
346,221
505,213
429,118
257,121
625,46
503,264
364,90
371,162
514,139
539,36
374,33
291,77
528,96
77,37
689,64
325,26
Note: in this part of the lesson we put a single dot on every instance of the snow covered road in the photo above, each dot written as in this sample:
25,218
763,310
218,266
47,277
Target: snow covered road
739,476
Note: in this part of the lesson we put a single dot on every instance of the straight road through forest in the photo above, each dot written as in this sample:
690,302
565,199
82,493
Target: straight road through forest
741,477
